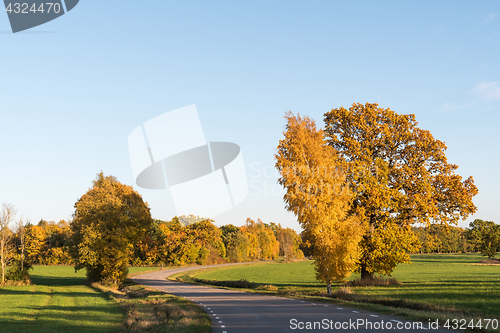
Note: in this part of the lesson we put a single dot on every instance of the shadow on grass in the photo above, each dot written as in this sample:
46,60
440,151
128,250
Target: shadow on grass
72,294
57,281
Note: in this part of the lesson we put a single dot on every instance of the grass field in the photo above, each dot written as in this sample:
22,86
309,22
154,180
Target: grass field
445,282
60,301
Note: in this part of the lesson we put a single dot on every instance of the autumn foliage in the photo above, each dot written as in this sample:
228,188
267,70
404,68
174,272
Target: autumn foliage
316,192
358,187
400,176
108,220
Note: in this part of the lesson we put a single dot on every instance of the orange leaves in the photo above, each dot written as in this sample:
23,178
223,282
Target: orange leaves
262,241
108,219
406,179
35,241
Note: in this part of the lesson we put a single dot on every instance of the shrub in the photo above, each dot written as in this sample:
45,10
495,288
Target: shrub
372,282
491,261
15,273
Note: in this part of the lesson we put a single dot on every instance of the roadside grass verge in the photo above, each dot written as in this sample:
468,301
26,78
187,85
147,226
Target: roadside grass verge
149,310
435,286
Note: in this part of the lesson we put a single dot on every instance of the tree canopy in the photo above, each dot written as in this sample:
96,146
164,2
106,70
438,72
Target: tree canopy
399,175
317,195
108,220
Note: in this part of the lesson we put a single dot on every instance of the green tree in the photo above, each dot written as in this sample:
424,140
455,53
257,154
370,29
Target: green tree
207,239
108,220
236,243
485,237
400,176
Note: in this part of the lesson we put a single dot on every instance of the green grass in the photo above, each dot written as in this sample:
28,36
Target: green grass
452,283
59,301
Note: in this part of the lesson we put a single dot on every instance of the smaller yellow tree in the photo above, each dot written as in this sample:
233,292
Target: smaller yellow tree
317,194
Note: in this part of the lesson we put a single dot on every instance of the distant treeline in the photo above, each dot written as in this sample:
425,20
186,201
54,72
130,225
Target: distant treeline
172,243
442,239
481,236
188,240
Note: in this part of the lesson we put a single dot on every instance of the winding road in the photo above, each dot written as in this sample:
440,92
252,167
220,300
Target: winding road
240,312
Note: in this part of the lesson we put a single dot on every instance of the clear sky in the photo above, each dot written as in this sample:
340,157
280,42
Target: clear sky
72,90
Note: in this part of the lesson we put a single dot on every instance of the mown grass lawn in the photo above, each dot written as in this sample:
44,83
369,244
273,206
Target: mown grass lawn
59,301
451,281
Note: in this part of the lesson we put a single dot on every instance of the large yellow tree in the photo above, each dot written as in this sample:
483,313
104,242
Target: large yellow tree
108,220
317,194
400,176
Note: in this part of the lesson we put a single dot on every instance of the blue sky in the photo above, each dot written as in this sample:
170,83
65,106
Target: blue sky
72,90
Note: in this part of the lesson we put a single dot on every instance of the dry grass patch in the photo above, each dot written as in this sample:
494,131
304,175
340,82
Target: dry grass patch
373,282
342,292
268,287
490,261
149,310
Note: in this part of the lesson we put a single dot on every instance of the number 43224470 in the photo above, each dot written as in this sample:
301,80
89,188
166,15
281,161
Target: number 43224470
24,8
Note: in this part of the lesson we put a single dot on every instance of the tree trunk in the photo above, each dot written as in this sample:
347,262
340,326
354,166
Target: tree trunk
3,263
22,248
365,274
329,289
22,256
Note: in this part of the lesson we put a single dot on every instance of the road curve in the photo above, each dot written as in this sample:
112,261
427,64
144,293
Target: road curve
239,312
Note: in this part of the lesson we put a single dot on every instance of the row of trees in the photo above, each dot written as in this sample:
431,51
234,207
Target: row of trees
481,236
112,229
438,238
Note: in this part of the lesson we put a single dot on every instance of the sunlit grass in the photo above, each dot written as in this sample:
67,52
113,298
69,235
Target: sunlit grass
58,301
450,281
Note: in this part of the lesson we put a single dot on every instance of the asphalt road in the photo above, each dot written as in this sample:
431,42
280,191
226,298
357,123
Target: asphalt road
239,312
